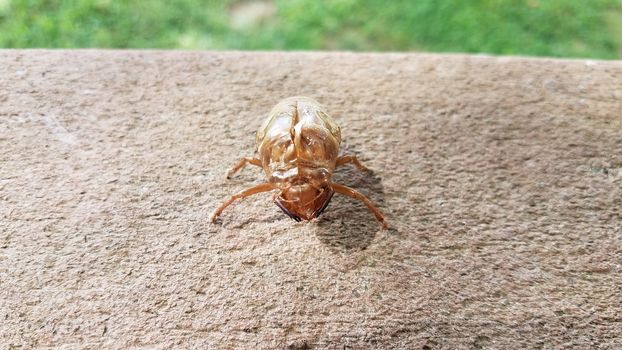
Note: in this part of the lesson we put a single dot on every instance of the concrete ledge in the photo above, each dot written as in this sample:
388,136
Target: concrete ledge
501,177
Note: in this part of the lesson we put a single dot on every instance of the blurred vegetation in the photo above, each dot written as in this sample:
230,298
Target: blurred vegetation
562,28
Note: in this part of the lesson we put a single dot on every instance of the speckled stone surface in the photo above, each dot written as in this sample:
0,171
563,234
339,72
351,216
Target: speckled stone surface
501,179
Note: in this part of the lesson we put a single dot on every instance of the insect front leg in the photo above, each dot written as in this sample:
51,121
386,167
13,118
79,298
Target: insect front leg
241,164
345,190
351,159
265,187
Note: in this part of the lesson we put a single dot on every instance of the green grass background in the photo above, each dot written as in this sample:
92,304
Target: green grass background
561,28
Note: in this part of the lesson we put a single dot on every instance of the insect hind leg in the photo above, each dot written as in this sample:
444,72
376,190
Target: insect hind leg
241,164
352,159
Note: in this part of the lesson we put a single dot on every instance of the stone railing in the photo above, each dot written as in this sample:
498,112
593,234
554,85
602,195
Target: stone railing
500,177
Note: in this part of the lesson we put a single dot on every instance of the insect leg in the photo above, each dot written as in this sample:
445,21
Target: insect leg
351,159
241,164
265,187
345,190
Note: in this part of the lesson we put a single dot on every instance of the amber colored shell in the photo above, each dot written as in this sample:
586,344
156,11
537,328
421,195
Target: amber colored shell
298,140
298,146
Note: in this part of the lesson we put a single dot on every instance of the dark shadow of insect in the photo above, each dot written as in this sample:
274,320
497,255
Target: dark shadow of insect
347,225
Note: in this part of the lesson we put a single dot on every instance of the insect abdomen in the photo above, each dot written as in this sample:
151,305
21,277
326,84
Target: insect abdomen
298,139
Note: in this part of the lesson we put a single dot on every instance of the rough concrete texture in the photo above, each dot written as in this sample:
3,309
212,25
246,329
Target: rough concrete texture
501,178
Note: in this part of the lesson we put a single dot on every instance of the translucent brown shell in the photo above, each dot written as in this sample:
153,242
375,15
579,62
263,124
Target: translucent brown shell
298,147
